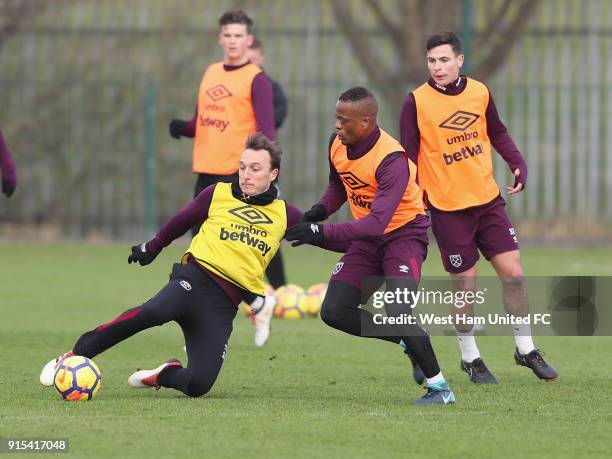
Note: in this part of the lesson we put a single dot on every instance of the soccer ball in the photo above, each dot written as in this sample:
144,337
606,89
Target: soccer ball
317,293
288,302
77,378
310,304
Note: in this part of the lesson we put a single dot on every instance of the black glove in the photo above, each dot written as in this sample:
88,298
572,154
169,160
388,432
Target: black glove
315,214
305,233
7,188
140,255
177,127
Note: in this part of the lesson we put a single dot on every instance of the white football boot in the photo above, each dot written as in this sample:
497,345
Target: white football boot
262,319
148,378
48,372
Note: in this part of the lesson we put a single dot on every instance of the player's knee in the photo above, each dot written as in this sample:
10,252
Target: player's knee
199,386
339,300
330,314
513,276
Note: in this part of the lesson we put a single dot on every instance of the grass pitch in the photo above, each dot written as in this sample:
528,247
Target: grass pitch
310,392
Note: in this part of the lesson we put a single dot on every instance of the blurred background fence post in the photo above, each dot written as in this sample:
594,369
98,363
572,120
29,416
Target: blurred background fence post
150,158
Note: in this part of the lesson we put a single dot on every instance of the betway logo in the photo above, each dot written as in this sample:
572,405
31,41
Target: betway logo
360,200
465,153
212,122
245,238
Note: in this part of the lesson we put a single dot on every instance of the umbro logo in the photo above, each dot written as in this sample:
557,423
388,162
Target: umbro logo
459,121
251,215
186,285
513,235
218,92
352,181
404,268
338,267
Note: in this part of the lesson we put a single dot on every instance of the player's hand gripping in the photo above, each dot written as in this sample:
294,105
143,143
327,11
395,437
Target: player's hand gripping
140,255
305,233
316,213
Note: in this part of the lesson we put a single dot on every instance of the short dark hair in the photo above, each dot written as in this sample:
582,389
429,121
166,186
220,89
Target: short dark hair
259,141
236,17
256,44
361,94
445,38
355,94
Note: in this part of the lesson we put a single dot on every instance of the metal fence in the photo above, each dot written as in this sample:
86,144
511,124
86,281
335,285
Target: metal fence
87,88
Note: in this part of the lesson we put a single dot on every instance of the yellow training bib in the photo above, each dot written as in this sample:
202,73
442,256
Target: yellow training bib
238,240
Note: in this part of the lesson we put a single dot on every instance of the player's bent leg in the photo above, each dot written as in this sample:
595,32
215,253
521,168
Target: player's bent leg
417,372
402,260
413,337
510,272
508,267
471,362
160,309
206,356
340,310
207,327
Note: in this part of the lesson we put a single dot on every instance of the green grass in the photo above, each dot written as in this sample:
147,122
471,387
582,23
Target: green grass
310,392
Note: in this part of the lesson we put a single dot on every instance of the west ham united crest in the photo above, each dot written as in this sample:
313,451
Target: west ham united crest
455,260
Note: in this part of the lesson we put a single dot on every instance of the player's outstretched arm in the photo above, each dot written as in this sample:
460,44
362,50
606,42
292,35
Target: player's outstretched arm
141,255
392,176
316,213
298,232
504,144
305,233
194,212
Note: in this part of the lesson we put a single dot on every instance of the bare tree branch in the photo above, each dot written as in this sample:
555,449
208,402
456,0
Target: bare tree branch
419,19
493,24
358,42
488,64
390,27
